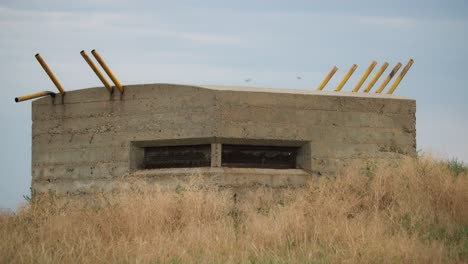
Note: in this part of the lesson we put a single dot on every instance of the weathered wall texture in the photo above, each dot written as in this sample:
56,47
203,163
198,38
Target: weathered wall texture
89,140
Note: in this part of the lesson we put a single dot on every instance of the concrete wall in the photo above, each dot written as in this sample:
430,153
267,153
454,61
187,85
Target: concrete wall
90,140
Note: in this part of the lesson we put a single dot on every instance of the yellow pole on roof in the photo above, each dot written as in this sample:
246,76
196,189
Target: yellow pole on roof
107,70
400,77
389,77
364,77
32,96
96,71
346,78
327,78
49,72
376,77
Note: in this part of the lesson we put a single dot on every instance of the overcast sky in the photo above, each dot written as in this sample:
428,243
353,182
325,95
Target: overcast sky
210,42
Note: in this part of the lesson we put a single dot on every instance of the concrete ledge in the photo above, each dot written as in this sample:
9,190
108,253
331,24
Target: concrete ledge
170,179
231,177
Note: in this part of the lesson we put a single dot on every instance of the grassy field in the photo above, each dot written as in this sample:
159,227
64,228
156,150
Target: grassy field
413,211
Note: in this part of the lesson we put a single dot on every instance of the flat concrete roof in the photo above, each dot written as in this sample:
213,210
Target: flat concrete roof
300,91
255,90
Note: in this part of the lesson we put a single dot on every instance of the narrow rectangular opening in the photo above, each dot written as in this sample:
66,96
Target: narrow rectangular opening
248,156
187,156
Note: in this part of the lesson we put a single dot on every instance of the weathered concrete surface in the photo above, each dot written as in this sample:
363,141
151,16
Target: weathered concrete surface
89,140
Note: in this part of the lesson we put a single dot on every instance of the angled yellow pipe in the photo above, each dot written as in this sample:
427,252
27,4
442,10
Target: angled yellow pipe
327,79
107,70
49,72
400,77
96,71
364,77
346,78
389,77
34,95
376,77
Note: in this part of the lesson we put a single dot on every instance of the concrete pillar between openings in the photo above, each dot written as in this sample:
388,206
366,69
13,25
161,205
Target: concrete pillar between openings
216,155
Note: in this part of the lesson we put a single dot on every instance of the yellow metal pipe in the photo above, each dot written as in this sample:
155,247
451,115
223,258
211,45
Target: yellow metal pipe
346,78
389,77
327,79
107,70
34,95
96,71
376,77
49,72
400,77
364,77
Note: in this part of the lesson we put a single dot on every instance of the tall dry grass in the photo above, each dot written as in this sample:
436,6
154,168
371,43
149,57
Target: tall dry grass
413,211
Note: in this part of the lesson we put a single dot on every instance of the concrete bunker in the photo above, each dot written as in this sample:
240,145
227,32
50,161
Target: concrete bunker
90,141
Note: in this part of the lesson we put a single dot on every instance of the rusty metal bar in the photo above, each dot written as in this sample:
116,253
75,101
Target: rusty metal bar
49,72
346,78
364,77
376,77
389,77
96,71
34,95
400,77
327,79
107,70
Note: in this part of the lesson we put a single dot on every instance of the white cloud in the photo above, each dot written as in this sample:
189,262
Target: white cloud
389,22
102,23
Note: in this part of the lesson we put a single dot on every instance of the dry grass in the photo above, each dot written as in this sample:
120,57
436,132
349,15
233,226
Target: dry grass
413,211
